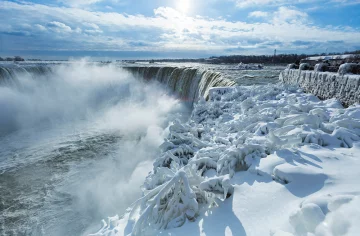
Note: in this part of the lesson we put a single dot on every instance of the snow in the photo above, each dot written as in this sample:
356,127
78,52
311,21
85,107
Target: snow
260,160
216,91
348,68
243,66
320,67
291,66
326,85
304,66
331,57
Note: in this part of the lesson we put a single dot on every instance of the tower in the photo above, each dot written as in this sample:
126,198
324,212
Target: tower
274,56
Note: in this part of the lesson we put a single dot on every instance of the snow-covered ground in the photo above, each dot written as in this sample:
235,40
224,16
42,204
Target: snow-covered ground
259,160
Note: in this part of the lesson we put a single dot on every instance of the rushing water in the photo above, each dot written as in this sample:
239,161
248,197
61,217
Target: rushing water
78,139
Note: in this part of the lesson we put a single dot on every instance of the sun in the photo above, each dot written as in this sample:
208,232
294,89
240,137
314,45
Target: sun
183,6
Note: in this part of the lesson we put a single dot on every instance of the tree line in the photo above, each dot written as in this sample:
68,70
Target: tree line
263,59
232,59
15,58
268,59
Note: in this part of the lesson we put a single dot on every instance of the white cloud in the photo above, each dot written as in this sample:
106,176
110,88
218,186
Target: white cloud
39,27
277,3
254,3
258,14
78,30
91,25
85,3
169,30
94,28
59,27
347,2
79,3
290,15
93,31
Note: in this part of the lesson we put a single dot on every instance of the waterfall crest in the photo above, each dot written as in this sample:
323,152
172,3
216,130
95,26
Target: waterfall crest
10,74
190,84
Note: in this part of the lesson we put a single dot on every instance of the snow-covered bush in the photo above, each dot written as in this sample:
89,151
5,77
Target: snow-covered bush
230,134
291,66
349,68
219,186
166,206
320,67
304,66
235,133
236,159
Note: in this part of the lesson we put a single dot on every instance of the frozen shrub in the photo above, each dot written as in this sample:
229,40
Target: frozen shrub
219,186
349,68
235,159
291,66
304,66
203,164
321,67
233,133
166,206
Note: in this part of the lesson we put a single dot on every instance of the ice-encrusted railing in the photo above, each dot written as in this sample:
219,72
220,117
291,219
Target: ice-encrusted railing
343,85
345,68
231,133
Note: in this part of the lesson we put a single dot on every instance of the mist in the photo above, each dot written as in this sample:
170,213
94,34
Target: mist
92,132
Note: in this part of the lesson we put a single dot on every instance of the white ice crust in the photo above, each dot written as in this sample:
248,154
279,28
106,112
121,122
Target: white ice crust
260,160
326,85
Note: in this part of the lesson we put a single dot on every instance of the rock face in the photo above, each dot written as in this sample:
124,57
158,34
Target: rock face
325,85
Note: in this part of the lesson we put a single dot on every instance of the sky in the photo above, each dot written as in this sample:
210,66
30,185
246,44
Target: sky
127,29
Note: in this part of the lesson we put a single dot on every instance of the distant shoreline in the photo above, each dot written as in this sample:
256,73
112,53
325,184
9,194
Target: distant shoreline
231,59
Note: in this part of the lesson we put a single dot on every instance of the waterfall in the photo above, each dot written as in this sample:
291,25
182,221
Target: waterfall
188,83
10,74
13,72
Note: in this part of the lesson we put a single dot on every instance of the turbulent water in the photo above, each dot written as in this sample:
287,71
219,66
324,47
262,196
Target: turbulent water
78,139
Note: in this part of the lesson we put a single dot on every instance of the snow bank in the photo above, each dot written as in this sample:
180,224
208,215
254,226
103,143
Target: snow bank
326,85
337,214
257,152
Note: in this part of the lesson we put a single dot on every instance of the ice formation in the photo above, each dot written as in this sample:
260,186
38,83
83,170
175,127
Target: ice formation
320,67
349,68
243,66
272,133
304,66
343,86
332,57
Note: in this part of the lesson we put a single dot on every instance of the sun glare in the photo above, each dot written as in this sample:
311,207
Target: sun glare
183,6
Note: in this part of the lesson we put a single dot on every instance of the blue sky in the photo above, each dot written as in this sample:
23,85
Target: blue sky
176,28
